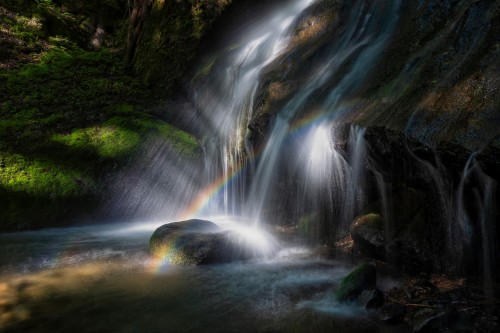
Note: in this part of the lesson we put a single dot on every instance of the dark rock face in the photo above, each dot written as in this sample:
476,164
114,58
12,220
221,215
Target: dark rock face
164,36
393,313
367,232
370,299
430,108
198,242
434,211
435,81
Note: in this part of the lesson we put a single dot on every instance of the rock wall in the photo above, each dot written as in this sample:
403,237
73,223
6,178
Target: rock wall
436,80
164,37
431,113
429,106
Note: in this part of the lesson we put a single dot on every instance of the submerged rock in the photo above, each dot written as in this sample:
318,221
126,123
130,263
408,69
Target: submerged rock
363,277
393,313
426,319
197,242
370,299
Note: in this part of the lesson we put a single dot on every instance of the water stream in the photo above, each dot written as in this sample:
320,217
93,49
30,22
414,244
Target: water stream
101,278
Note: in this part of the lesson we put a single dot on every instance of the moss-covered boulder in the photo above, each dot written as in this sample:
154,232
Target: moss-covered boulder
363,277
199,242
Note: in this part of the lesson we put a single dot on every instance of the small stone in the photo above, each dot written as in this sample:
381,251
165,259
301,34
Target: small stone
393,313
423,318
371,299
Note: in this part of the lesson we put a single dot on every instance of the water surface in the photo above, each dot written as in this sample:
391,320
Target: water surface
102,279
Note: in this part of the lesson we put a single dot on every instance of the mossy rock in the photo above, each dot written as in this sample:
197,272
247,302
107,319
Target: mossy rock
198,242
363,277
68,124
172,32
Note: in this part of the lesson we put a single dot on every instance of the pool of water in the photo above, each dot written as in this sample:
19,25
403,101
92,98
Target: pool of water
102,279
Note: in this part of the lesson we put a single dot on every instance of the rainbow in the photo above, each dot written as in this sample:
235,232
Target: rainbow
204,196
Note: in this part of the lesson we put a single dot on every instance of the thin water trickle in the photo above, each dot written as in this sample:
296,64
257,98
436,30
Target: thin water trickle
477,206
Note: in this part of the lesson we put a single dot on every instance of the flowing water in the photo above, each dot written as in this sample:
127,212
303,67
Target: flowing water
102,279
327,184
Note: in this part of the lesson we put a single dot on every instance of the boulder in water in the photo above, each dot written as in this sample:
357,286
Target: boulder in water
363,277
197,242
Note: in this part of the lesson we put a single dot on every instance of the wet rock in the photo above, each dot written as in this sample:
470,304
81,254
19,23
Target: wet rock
363,277
197,242
371,299
424,319
393,313
408,255
423,282
368,234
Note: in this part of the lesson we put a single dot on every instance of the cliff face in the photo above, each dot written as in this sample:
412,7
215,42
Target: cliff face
435,80
71,116
430,107
164,36
439,79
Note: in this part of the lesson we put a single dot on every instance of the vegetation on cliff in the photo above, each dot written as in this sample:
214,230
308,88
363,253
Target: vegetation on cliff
70,115
164,36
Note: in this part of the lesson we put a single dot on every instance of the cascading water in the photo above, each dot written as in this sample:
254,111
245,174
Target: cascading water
226,103
477,206
311,156
367,32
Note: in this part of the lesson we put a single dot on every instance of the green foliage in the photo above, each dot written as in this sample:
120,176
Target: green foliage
70,80
39,177
67,122
170,40
69,117
44,2
107,141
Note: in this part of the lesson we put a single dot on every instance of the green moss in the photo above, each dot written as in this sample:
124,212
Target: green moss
69,118
67,123
41,178
183,142
108,141
122,136
170,39
363,277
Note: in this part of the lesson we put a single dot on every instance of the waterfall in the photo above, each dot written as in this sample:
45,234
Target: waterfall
368,29
225,103
475,202
304,167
